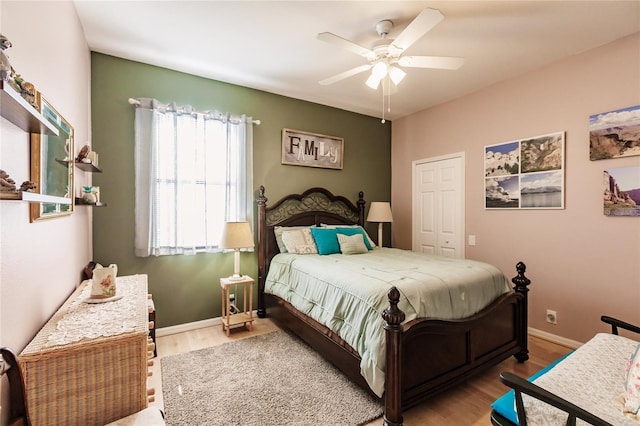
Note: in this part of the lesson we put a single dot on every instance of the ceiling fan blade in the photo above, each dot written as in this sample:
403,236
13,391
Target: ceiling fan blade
437,62
423,23
345,74
346,44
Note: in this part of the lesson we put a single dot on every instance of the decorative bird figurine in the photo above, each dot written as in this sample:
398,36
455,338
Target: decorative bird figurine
4,42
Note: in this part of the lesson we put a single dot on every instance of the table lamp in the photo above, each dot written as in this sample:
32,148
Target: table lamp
380,211
236,236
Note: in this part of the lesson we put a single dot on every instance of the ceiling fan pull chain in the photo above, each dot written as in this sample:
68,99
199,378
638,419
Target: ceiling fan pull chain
383,86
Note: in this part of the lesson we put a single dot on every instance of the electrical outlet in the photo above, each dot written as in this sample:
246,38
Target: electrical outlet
552,317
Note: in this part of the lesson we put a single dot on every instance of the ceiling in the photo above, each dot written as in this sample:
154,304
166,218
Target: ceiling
272,45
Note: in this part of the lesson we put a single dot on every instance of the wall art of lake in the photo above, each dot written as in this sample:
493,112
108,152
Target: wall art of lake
541,199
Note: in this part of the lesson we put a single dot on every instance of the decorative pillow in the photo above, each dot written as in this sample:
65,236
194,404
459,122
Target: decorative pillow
299,241
368,239
352,244
278,230
326,240
632,383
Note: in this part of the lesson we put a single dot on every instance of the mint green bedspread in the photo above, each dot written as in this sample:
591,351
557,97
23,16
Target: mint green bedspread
347,293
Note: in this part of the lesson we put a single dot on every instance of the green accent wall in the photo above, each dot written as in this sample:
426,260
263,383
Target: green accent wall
186,288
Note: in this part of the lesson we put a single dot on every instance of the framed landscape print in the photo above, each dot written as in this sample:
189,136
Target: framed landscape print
614,134
525,174
622,191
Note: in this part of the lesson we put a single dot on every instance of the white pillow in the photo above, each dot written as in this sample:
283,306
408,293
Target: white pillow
371,243
352,244
278,230
299,241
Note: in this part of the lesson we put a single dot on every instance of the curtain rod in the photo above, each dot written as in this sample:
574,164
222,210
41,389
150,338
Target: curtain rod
137,102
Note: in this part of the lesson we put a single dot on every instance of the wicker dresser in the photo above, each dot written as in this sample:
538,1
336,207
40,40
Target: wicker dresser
88,365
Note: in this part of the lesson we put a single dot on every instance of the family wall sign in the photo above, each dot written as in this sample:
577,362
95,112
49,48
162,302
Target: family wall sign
311,149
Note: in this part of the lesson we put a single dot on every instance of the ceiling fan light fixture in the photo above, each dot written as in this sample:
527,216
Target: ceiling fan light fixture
373,81
396,75
380,70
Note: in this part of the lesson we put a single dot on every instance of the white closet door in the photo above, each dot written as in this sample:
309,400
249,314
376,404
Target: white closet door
438,206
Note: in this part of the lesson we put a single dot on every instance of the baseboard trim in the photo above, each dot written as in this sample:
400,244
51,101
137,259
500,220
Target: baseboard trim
573,344
190,326
180,328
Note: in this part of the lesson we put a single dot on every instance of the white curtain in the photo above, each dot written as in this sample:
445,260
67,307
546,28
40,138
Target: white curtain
193,172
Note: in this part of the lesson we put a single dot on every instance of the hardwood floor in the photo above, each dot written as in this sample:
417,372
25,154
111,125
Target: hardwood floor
468,404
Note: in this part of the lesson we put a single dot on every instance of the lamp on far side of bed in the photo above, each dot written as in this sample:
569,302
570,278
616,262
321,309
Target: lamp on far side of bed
236,236
380,211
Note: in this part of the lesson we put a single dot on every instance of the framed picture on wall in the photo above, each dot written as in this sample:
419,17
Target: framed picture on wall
311,149
525,174
614,134
622,191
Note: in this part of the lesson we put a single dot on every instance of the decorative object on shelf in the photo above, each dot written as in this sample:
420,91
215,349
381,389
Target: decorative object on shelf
380,211
95,190
5,65
27,185
82,155
104,281
93,158
88,196
28,92
6,183
236,236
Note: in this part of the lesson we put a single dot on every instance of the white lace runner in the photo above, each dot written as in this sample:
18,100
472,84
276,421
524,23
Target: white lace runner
77,320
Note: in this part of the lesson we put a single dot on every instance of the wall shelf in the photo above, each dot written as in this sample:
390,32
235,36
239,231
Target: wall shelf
33,197
19,112
88,167
81,202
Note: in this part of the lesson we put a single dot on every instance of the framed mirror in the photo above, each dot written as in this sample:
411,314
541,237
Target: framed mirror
52,164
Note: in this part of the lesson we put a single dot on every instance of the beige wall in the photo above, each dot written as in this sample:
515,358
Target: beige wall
41,263
582,263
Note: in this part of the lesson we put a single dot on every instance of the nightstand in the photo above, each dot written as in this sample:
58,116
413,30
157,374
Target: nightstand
246,316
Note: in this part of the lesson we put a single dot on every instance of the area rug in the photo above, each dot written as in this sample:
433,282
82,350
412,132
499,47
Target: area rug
271,379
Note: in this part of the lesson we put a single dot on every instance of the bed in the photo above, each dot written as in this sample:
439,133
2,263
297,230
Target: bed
421,356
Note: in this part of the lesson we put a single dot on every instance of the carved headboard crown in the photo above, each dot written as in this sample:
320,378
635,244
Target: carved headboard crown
312,207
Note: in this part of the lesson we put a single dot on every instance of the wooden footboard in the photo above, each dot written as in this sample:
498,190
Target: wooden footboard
427,356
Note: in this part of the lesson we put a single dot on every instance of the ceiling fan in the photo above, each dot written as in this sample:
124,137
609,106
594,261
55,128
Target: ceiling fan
386,55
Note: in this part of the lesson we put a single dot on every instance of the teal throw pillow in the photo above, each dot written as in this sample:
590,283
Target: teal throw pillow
326,240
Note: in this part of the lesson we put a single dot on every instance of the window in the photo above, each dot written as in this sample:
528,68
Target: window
193,173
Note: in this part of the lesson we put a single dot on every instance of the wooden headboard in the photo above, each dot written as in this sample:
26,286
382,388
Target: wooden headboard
313,207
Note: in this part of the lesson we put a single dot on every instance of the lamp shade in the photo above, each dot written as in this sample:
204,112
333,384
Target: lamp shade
236,235
380,211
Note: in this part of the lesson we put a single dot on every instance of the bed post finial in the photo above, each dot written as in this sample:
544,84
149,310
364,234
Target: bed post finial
393,317
521,282
361,204
262,255
262,200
